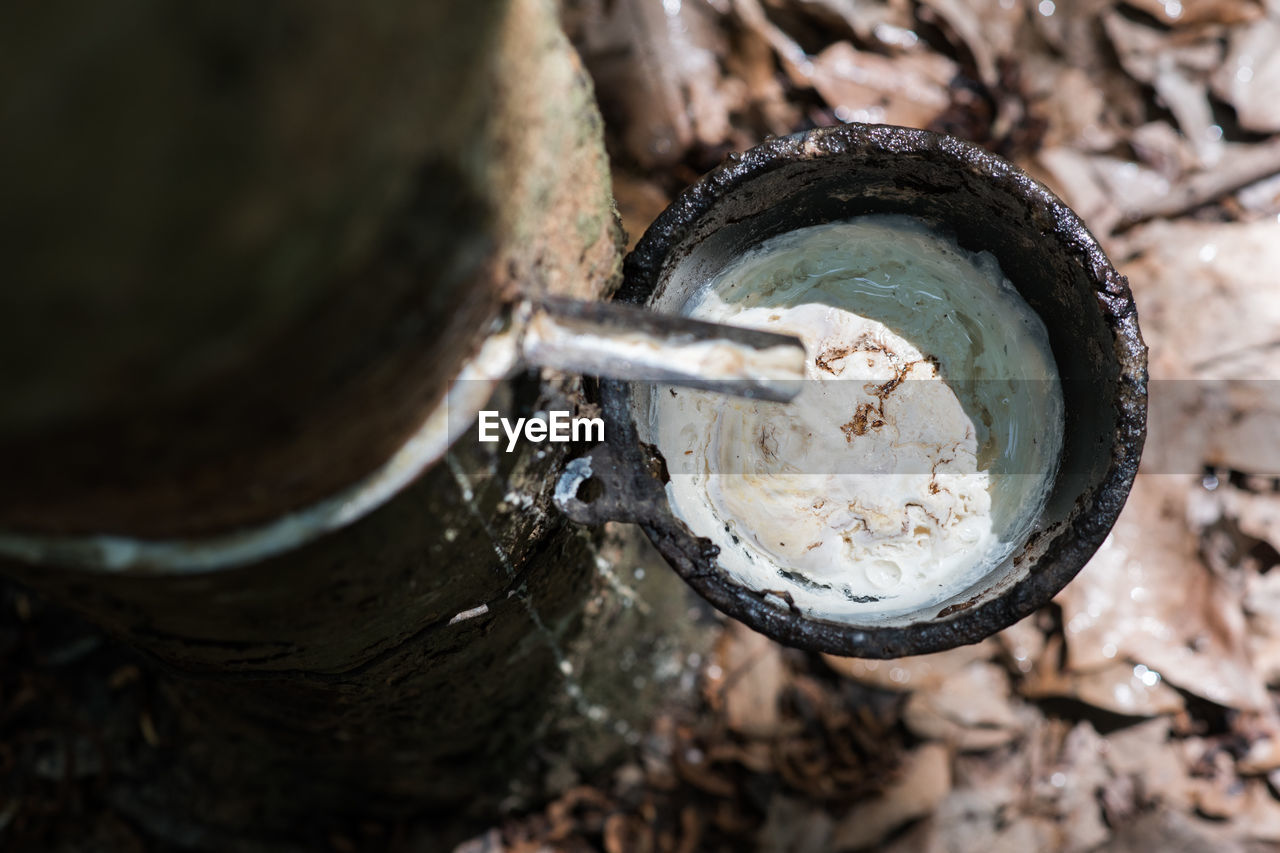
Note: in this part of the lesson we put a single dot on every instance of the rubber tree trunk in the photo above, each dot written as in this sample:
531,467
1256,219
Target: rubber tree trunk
247,248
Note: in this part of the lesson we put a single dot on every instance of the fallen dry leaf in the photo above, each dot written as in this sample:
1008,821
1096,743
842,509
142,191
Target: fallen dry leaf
1168,831
1260,819
1145,753
639,203
912,673
1076,778
792,57
1075,109
753,64
1256,514
1127,183
925,781
1261,198
1176,64
656,69
1263,757
1120,687
1262,604
1073,33
1249,78
911,90
1193,12
1023,642
1163,149
969,709
1146,597
795,826
1210,313
1108,191
962,833
987,28
888,23
991,807
752,677
1222,795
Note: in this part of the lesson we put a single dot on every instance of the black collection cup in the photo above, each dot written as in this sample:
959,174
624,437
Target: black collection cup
1044,250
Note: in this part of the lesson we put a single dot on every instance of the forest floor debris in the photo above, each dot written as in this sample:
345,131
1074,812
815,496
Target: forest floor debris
1139,710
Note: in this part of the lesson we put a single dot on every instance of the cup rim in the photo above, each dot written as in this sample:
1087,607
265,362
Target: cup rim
1095,509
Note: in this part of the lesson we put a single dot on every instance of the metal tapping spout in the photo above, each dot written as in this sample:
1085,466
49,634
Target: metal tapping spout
619,341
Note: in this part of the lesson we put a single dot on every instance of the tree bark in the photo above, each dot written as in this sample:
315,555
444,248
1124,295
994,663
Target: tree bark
275,232
247,251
